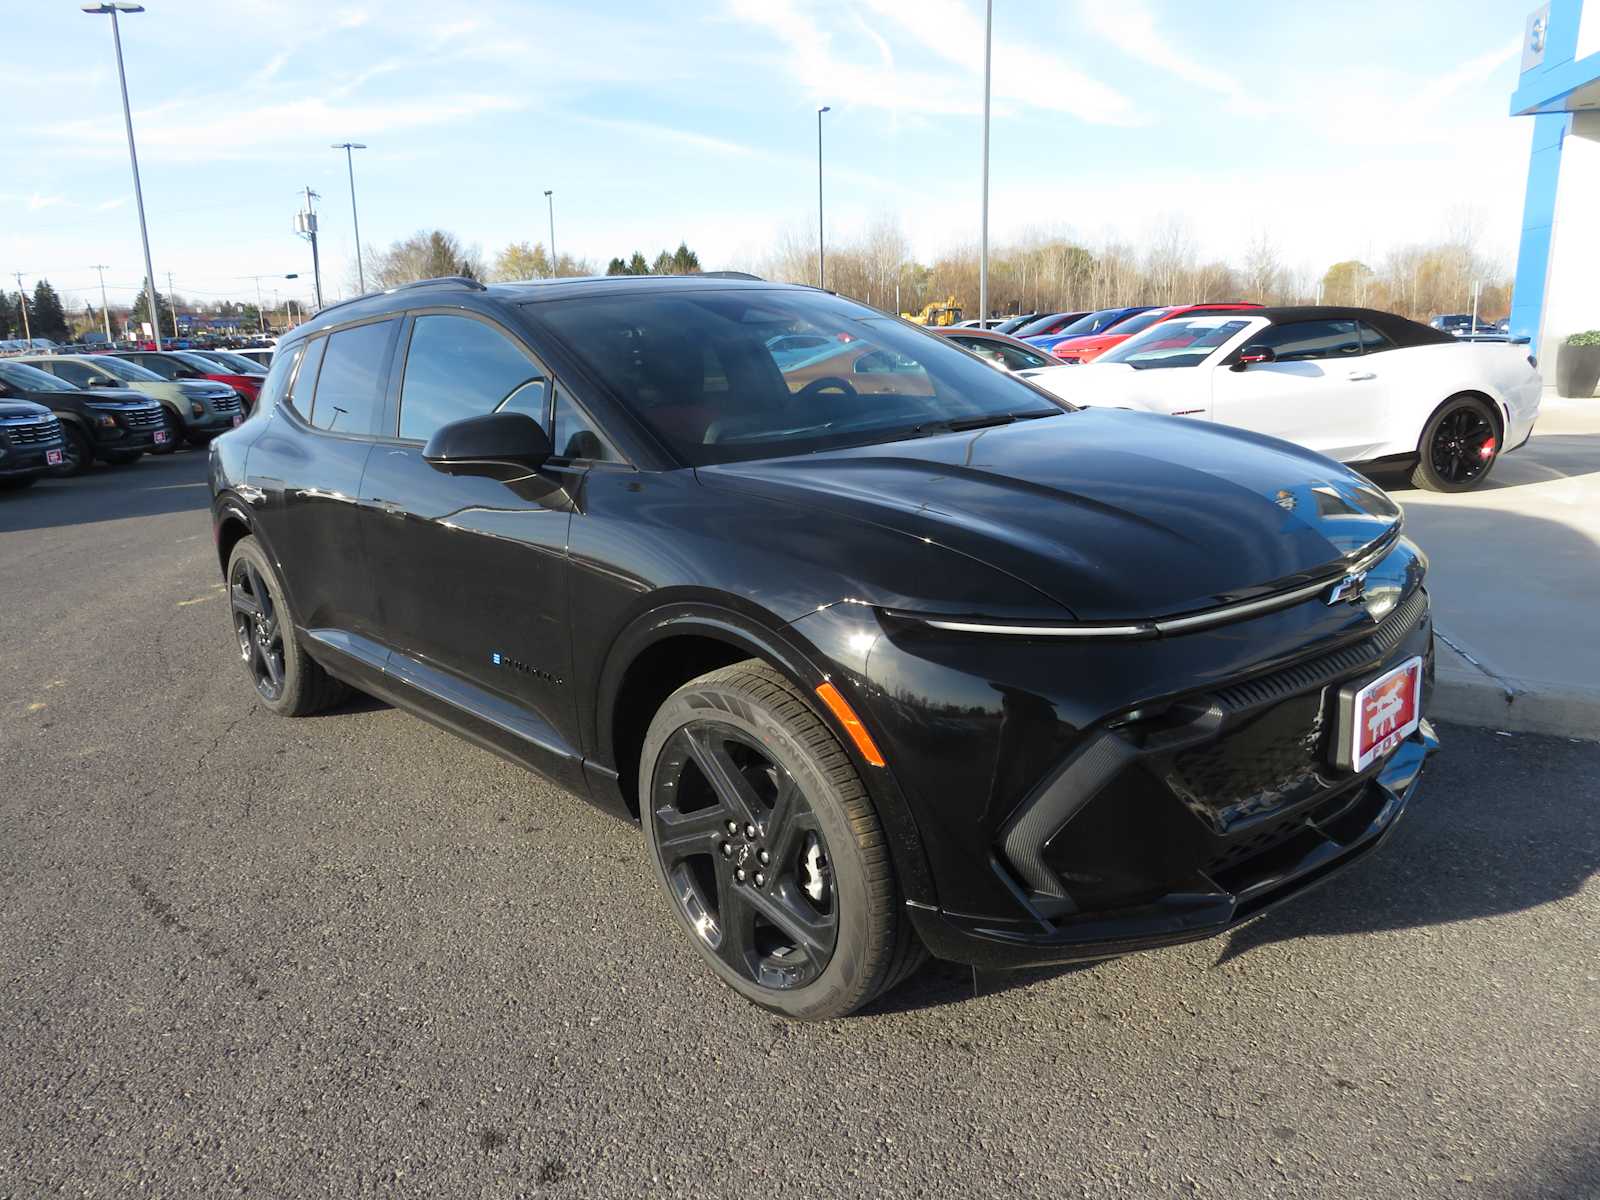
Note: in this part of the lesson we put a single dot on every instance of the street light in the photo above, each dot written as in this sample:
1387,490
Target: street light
133,156
549,199
347,147
822,277
261,319
983,239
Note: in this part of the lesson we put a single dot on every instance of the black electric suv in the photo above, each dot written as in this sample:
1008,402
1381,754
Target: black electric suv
888,652
30,442
115,426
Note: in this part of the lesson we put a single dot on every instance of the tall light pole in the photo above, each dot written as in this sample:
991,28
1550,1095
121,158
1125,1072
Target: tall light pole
172,306
105,308
549,199
305,224
349,164
23,297
822,275
983,237
112,9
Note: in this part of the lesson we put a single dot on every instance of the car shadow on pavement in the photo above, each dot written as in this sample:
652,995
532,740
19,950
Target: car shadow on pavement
154,486
1548,457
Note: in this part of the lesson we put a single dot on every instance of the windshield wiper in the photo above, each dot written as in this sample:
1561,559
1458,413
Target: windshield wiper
962,424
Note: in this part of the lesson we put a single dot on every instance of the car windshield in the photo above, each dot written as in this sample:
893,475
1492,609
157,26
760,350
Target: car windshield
1180,342
1095,322
31,379
127,371
1040,326
197,362
1141,321
245,366
716,376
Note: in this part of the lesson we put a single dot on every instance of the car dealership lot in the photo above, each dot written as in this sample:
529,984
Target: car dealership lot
352,955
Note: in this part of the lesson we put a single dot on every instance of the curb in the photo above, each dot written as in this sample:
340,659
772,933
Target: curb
1469,697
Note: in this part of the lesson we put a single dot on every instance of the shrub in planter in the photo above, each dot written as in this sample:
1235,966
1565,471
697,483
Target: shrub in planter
1578,365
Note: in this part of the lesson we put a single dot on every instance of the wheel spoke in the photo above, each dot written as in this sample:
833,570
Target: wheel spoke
679,835
723,774
785,906
244,602
791,820
274,665
736,922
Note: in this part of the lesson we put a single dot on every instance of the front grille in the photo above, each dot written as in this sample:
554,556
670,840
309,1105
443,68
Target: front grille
145,418
33,433
226,404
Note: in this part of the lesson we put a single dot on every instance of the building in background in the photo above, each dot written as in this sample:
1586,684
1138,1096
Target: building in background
1557,288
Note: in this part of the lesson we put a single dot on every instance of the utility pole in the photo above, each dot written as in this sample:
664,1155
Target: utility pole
822,274
983,237
105,308
172,306
305,224
349,162
23,296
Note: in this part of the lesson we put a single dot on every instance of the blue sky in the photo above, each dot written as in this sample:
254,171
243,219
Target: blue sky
1338,129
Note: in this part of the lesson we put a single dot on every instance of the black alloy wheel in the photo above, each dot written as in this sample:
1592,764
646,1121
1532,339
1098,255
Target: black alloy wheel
768,846
1459,445
77,456
744,855
257,627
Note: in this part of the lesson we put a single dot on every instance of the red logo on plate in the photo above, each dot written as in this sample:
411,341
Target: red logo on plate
1387,710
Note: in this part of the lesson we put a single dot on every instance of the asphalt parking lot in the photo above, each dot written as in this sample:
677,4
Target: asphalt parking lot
352,955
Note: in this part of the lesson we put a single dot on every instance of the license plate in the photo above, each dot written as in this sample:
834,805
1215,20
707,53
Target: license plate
52,458
1378,715
161,437
236,420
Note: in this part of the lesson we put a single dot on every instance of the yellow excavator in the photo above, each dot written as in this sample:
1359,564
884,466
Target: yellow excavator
936,312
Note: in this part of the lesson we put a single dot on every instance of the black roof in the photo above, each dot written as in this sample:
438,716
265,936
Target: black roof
1398,329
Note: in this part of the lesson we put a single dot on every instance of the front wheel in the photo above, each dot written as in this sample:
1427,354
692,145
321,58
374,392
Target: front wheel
769,849
1459,445
77,455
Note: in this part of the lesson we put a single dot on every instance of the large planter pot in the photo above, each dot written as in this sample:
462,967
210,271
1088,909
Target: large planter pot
1577,371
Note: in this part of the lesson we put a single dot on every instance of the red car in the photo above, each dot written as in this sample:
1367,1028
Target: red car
1091,347
187,364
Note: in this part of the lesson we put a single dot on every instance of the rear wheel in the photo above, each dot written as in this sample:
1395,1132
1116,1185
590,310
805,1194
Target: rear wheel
768,846
286,680
1459,444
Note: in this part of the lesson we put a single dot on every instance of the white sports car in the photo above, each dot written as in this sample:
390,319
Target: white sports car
1355,384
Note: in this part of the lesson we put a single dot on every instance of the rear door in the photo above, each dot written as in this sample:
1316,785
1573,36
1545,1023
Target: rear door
1320,391
470,572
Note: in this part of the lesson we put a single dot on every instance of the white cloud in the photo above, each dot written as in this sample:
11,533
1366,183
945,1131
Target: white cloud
1131,28
665,133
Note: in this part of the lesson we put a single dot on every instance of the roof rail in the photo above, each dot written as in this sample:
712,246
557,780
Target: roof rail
459,280
730,275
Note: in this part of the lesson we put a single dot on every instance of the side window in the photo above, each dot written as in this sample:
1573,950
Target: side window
74,373
574,435
1373,341
1302,341
349,386
457,367
276,383
305,379
1019,360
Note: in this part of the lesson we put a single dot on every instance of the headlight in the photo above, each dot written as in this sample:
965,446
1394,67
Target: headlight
106,421
197,408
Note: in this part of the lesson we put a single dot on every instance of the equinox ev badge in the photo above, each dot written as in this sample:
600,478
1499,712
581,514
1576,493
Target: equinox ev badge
1349,589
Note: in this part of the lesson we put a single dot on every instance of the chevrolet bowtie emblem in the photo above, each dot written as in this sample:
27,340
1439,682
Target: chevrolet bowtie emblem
1349,589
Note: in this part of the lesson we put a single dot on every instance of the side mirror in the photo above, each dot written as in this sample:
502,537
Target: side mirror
499,445
104,381
1254,354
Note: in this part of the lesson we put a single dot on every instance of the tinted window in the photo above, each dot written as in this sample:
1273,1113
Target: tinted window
348,386
457,367
1054,323
699,369
277,381
167,368
131,372
574,435
30,379
1140,321
305,379
1302,341
1372,341
78,374
1009,357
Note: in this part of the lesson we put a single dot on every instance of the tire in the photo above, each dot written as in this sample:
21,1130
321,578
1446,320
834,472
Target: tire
826,933
1460,445
286,680
77,453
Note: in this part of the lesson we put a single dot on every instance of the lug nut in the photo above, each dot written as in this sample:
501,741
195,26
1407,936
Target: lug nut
749,831
739,874
726,849
733,827
761,880
764,857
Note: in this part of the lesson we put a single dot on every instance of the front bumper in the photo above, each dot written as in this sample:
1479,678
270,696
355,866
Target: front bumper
16,463
1331,835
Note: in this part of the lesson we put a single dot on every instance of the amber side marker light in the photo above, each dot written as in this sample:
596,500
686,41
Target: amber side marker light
840,707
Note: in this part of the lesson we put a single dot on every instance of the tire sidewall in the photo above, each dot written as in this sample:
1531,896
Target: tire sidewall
81,446
1430,479
248,549
709,700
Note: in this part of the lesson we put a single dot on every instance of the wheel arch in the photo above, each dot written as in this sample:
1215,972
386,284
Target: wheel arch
1498,407
666,647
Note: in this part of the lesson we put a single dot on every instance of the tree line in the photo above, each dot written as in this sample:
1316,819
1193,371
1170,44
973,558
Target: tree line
432,253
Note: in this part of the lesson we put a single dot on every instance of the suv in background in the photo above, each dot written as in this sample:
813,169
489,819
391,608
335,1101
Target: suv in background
855,645
114,425
197,409
192,364
30,442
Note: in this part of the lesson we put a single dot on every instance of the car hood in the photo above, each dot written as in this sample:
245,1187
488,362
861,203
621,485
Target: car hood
1113,515
18,409
203,389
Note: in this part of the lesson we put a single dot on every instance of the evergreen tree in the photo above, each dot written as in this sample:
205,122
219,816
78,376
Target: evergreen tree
141,311
10,318
685,261
637,265
616,267
662,265
49,318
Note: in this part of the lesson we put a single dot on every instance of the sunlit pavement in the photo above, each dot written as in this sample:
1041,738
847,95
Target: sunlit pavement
1515,578
353,956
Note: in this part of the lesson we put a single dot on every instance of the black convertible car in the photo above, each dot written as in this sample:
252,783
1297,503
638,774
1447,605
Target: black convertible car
890,653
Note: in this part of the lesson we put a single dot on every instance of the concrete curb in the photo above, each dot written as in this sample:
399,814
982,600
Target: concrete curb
1468,696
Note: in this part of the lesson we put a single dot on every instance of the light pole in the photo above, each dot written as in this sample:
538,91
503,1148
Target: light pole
822,275
347,147
261,319
112,9
549,199
105,308
22,296
983,237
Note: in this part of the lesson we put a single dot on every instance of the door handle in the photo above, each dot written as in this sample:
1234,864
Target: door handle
1359,375
392,507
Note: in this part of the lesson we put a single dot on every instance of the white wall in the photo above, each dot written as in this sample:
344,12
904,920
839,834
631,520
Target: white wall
1572,296
1589,30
